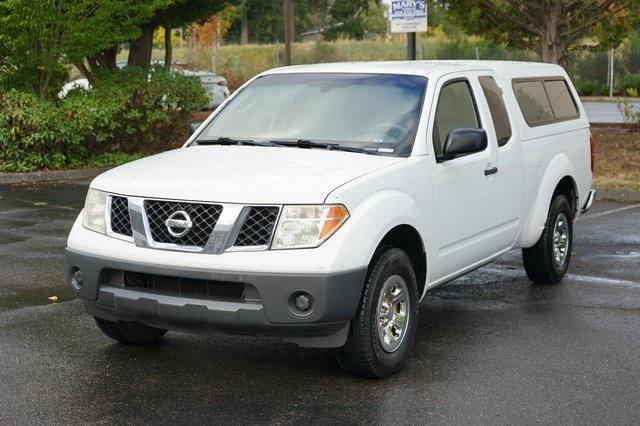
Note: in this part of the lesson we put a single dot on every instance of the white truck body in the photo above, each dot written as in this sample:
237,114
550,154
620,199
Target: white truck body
460,216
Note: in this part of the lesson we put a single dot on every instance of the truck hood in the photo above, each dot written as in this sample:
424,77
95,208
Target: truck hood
241,174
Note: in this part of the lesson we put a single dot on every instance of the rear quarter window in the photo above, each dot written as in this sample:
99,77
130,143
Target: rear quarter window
545,101
561,100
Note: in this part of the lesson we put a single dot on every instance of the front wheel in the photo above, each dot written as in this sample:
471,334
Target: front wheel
384,328
548,260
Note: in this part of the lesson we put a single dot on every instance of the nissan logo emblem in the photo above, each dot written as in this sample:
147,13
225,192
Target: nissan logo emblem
179,224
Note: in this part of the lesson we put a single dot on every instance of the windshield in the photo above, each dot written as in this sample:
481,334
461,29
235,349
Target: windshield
376,112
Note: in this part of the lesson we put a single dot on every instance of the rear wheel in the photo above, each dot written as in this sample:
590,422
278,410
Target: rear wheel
129,333
548,260
383,330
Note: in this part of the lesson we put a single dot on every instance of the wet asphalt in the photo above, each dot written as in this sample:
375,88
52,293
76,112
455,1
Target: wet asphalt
491,347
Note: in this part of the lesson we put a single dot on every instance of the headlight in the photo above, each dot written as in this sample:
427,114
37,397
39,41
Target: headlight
94,211
308,226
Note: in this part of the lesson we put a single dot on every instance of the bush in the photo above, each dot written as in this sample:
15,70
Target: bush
592,88
630,81
34,134
586,88
127,112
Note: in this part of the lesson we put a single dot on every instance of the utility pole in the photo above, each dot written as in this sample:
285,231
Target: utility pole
288,29
411,46
611,61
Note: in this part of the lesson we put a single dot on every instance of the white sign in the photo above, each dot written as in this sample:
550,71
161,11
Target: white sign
408,16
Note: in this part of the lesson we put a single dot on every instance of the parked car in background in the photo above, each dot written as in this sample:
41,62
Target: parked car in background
214,85
321,202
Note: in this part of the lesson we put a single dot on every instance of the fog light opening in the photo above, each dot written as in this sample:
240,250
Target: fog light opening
301,303
76,278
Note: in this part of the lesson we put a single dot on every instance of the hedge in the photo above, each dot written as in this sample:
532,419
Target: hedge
126,114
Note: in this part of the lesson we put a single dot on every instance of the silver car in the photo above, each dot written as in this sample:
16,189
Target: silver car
215,86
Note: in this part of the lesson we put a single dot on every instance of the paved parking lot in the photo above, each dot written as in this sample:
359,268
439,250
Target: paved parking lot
492,348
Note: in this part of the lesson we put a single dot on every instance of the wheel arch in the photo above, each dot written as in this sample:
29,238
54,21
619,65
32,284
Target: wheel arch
558,179
407,238
567,187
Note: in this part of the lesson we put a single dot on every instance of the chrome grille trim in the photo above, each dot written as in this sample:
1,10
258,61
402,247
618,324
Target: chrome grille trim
222,239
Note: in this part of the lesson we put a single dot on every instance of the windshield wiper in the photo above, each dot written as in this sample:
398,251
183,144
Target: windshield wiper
230,141
306,143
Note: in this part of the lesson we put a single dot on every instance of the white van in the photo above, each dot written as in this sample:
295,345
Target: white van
320,203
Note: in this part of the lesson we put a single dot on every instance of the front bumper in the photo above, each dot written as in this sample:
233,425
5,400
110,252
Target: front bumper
266,315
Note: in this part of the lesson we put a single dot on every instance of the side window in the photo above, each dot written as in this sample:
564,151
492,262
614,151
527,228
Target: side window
533,102
456,109
499,115
545,101
561,100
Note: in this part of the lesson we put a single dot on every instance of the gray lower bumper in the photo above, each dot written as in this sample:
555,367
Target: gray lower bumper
268,316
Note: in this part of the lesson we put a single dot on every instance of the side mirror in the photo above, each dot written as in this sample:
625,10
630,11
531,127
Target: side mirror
194,126
462,142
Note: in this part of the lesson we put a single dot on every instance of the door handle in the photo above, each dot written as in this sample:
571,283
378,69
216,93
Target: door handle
491,171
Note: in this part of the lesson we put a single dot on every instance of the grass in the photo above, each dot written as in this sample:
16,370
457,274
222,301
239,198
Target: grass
617,158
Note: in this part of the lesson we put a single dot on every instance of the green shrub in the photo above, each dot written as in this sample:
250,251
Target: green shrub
587,88
630,81
127,112
34,134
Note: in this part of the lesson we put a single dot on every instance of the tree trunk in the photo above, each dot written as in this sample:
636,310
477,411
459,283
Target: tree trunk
168,47
105,60
552,49
101,61
86,72
108,57
288,29
140,49
244,30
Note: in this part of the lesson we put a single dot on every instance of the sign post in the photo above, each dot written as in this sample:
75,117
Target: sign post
408,16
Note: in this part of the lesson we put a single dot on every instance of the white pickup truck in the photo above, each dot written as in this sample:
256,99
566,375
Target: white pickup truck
319,204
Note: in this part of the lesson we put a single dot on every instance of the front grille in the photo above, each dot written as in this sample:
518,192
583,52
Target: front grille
120,220
184,287
203,216
257,227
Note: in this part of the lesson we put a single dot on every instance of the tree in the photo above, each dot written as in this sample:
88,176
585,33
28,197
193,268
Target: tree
350,17
264,18
40,37
550,27
172,14
214,30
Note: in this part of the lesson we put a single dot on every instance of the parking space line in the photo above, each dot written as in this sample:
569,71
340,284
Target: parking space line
608,212
612,281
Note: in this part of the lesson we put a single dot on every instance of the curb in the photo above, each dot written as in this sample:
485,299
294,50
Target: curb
50,176
607,99
630,126
621,195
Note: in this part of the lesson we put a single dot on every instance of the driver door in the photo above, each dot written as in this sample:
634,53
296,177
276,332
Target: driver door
465,189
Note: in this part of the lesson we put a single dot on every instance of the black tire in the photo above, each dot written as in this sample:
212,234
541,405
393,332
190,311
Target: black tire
363,355
539,260
129,333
